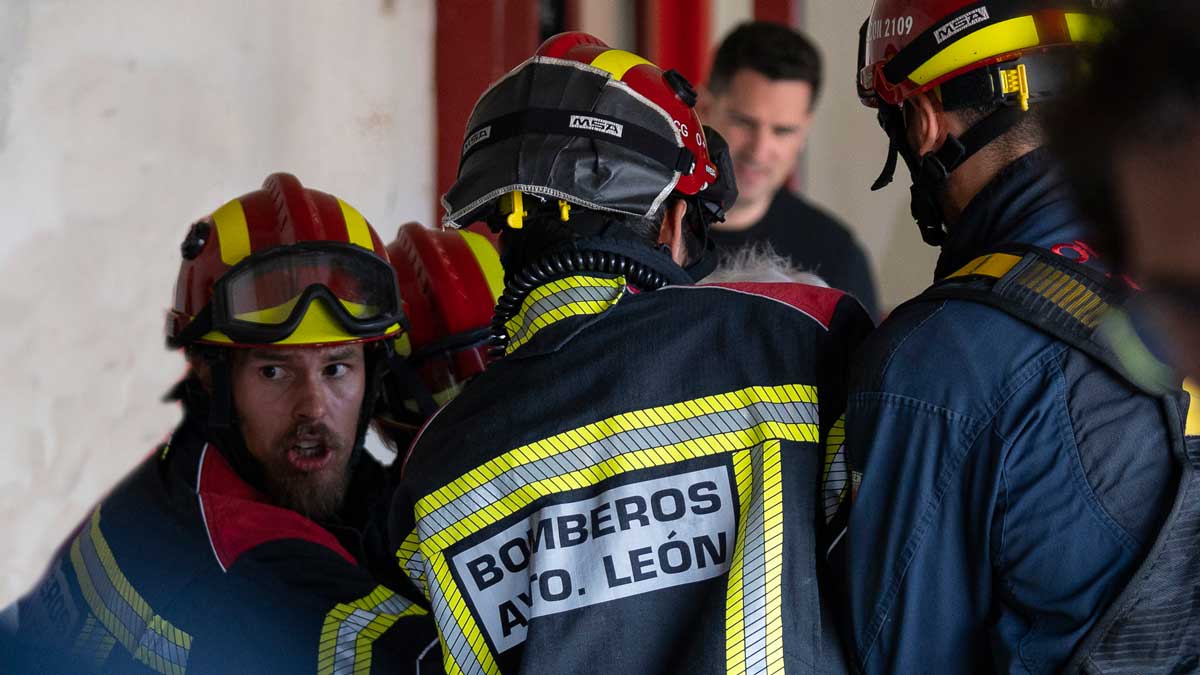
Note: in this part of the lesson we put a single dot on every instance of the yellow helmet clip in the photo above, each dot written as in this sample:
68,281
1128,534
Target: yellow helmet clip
512,204
1016,81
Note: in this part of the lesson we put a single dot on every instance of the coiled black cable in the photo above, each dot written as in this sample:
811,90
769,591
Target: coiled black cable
558,265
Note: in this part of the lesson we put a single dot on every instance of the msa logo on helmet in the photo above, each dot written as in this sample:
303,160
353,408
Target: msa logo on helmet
961,23
477,137
596,124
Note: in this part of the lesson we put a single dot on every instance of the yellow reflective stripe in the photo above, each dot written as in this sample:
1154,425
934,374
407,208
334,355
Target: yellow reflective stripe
350,630
618,62
233,234
630,461
735,613
1087,27
154,626
754,591
560,285
593,295
409,559
357,230
995,265
773,540
464,620
1193,418
1001,38
1069,295
488,259
557,314
835,482
576,438
93,643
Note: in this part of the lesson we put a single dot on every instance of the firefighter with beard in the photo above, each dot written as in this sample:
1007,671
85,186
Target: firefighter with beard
650,477
1014,475
239,545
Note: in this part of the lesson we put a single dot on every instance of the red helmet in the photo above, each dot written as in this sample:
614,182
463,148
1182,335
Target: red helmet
912,46
284,265
449,281
583,124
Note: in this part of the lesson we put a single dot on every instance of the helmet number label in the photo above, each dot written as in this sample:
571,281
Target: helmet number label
890,27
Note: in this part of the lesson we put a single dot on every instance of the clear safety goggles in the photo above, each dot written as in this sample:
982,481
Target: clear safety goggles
265,297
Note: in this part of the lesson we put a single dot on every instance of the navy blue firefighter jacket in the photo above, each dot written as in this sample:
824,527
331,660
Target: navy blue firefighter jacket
1010,484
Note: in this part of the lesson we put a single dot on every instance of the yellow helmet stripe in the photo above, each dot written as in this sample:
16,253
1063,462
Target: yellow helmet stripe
1003,37
618,62
357,231
489,261
232,232
1087,27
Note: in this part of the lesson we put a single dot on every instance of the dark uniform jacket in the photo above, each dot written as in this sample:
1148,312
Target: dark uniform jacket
185,569
636,487
1011,484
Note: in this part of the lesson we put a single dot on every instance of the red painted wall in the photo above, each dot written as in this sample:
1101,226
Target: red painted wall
476,42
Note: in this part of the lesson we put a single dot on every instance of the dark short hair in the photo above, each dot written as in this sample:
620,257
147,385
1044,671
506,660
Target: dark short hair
770,49
1143,93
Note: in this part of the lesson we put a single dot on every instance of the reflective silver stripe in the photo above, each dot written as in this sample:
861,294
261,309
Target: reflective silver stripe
147,636
633,440
411,560
453,637
754,574
571,296
350,630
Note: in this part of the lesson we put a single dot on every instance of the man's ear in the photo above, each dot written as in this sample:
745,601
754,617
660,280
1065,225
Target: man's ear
927,123
671,232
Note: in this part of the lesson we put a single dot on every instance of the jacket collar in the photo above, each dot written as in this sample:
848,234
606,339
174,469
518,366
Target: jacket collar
559,309
1026,203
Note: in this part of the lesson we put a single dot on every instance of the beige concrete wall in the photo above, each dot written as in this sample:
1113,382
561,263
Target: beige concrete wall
121,123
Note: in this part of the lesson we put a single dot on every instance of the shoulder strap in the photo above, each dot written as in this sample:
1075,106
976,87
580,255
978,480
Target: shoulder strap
1151,624
1058,296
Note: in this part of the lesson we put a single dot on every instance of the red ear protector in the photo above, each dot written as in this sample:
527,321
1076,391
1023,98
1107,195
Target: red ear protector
449,281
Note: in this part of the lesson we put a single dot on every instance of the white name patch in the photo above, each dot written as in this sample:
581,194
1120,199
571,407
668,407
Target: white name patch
622,542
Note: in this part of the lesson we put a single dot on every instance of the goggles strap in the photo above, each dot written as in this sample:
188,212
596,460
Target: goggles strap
220,409
408,386
200,325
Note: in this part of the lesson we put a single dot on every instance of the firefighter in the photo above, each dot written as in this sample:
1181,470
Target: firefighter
1013,476
649,478
240,544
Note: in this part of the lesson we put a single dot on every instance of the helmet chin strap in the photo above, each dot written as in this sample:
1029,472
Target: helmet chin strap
931,171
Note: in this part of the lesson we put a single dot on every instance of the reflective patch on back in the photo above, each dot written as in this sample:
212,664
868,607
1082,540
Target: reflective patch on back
747,423
622,542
